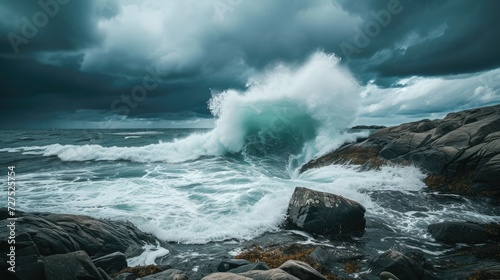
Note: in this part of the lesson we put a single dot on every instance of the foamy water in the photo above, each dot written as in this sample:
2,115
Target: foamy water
231,182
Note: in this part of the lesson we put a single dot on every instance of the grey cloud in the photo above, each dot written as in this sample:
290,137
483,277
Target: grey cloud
93,52
53,24
430,38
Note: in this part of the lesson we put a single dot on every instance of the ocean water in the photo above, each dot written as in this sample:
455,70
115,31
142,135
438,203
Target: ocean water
231,182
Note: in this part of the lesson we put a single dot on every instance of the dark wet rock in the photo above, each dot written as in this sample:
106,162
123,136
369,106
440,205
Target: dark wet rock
271,274
30,264
399,265
301,270
49,237
70,266
103,274
325,256
368,127
133,250
458,232
225,276
463,145
26,250
99,237
57,246
386,275
125,276
227,265
169,274
32,271
359,154
63,233
324,213
28,261
249,267
111,263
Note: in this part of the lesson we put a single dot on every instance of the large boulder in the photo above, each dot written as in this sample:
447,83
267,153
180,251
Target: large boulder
458,232
463,148
394,263
324,213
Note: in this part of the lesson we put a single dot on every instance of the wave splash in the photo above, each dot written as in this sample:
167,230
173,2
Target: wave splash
286,110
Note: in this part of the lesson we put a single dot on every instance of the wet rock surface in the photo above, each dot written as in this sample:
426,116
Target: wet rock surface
459,232
60,246
324,213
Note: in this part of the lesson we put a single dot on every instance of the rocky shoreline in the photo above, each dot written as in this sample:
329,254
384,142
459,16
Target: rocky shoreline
460,154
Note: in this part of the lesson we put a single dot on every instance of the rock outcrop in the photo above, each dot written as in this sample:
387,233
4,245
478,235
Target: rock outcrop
324,213
459,232
59,246
462,150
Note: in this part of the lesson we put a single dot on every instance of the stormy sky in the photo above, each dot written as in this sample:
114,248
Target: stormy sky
155,63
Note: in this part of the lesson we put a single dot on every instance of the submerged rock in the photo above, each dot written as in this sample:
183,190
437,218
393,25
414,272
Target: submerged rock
324,213
458,232
463,150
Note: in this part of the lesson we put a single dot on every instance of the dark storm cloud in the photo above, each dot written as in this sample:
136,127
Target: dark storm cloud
96,55
430,37
52,24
